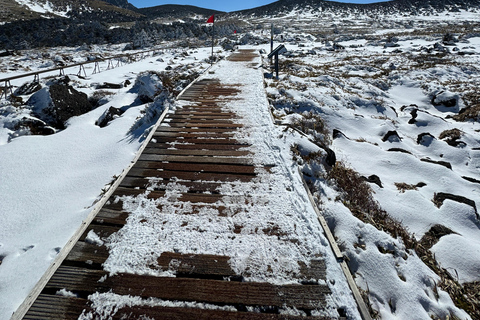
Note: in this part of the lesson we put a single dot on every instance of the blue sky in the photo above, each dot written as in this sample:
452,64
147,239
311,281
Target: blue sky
222,5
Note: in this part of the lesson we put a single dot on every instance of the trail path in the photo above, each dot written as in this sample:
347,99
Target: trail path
211,222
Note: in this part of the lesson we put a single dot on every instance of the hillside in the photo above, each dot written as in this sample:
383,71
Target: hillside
177,11
390,7
111,10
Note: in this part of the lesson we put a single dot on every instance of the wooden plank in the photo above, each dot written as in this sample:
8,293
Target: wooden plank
210,153
172,129
196,159
115,217
54,307
199,146
207,125
218,116
188,176
103,231
196,265
196,135
194,122
170,313
196,141
198,167
184,197
86,252
186,289
143,183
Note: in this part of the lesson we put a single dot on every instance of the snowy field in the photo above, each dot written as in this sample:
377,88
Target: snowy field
49,184
400,94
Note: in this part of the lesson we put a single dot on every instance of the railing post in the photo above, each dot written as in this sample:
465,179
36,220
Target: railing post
97,67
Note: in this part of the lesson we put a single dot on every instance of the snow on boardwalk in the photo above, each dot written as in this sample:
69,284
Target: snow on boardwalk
212,222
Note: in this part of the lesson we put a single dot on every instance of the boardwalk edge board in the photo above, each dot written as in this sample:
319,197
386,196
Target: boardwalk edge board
33,295
338,255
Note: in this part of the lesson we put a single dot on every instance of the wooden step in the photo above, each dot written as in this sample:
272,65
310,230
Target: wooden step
306,297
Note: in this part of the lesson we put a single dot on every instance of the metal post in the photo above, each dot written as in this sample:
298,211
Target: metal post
276,65
271,42
213,38
82,68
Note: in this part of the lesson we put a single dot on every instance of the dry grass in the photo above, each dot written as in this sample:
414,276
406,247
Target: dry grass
472,111
312,124
402,186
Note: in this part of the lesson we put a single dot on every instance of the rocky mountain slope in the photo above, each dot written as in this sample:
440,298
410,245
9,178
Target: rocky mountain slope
388,7
20,10
179,11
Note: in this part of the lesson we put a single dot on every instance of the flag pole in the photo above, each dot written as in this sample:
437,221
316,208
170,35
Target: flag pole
213,38
212,21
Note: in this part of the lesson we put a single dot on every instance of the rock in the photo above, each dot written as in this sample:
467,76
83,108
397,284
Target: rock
35,126
108,85
440,197
147,85
442,163
337,134
391,136
109,115
444,98
58,103
425,138
331,158
373,179
414,115
27,88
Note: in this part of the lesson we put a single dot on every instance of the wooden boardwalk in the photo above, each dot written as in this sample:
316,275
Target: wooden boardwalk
205,154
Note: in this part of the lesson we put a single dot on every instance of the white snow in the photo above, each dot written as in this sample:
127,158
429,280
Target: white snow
48,184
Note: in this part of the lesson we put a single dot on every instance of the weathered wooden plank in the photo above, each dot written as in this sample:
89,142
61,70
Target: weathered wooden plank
177,129
219,116
196,141
115,217
54,307
198,167
86,252
196,264
188,289
207,125
184,197
196,135
210,153
196,159
198,146
169,313
103,231
193,187
189,176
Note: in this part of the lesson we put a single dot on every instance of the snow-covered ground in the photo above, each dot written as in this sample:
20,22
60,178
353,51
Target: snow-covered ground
49,184
391,89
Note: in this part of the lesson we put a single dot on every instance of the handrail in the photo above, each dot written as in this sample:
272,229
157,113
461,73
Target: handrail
36,74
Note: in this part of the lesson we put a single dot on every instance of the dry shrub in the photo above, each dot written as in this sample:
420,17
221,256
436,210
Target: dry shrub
312,124
452,134
402,186
472,111
357,195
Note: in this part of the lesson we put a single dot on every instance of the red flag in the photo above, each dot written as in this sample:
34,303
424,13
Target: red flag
211,19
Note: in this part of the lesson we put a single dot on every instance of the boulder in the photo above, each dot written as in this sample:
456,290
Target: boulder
57,103
444,98
391,136
34,126
109,115
27,88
